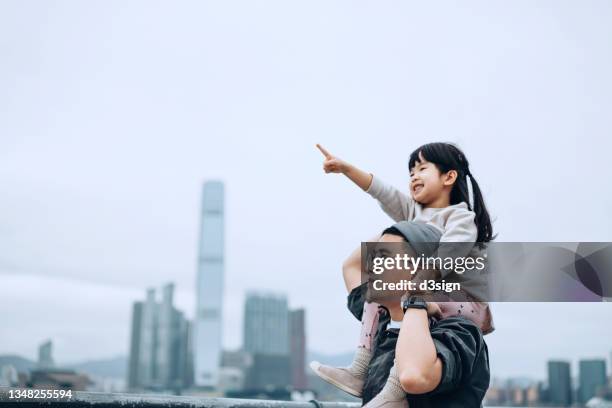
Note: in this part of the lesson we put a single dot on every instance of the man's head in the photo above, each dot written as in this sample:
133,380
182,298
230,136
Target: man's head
390,245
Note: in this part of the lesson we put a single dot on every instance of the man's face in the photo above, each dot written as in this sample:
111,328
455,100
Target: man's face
426,181
388,246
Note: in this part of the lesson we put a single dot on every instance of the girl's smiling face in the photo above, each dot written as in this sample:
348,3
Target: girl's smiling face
427,184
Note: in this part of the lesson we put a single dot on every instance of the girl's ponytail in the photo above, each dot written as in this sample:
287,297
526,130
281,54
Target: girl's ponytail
482,219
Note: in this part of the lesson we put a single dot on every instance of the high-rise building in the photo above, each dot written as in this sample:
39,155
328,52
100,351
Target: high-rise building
559,383
266,338
266,324
8,376
160,355
297,348
207,323
168,326
132,380
147,366
592,378
45,355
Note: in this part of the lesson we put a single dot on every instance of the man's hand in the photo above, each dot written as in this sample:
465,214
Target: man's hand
434,310
332,164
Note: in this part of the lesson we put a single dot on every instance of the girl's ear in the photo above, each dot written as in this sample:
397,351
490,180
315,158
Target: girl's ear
450,177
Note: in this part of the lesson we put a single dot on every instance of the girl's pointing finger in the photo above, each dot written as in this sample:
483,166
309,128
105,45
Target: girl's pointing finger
325,152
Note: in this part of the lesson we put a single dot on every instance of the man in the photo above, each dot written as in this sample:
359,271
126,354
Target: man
438,363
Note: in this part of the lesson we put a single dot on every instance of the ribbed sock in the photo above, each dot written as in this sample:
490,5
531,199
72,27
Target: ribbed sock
361,361
393,388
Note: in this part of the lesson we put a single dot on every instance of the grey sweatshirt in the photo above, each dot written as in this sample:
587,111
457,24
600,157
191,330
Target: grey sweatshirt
455,222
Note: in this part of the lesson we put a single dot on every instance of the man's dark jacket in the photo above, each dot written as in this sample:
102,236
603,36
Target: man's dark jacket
460,346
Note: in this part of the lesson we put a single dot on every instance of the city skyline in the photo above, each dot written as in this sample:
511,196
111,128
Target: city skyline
242,370
495,376
561,388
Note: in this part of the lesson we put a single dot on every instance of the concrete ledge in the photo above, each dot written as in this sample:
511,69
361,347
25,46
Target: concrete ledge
104,400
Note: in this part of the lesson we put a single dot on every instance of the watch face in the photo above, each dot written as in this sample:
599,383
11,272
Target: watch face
414,302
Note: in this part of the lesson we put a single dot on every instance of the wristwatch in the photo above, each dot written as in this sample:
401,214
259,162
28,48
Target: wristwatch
414,302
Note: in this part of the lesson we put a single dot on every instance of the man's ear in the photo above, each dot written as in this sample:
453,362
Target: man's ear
450,177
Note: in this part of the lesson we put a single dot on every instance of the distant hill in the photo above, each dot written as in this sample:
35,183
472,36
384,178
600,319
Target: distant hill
342,359
21,364
115,367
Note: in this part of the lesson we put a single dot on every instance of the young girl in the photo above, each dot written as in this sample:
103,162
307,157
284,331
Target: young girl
440,197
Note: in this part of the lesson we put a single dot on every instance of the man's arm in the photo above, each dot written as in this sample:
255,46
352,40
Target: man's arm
418,366
351,270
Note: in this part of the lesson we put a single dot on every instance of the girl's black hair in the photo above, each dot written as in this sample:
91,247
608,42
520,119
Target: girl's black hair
447,157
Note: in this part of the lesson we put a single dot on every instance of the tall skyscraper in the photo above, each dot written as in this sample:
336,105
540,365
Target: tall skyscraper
297,348
147,367
592,377
132,380
45,355
207,324
559,383
159,347
266,324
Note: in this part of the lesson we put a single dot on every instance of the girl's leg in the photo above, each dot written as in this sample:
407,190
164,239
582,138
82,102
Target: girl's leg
351,269
369,323
363,355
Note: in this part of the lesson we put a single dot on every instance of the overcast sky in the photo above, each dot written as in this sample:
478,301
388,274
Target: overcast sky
113,113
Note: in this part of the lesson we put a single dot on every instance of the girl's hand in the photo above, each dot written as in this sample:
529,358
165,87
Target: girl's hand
332,164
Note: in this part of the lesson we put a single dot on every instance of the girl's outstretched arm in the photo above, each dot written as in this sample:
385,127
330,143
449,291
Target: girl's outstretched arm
333,164
396,204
